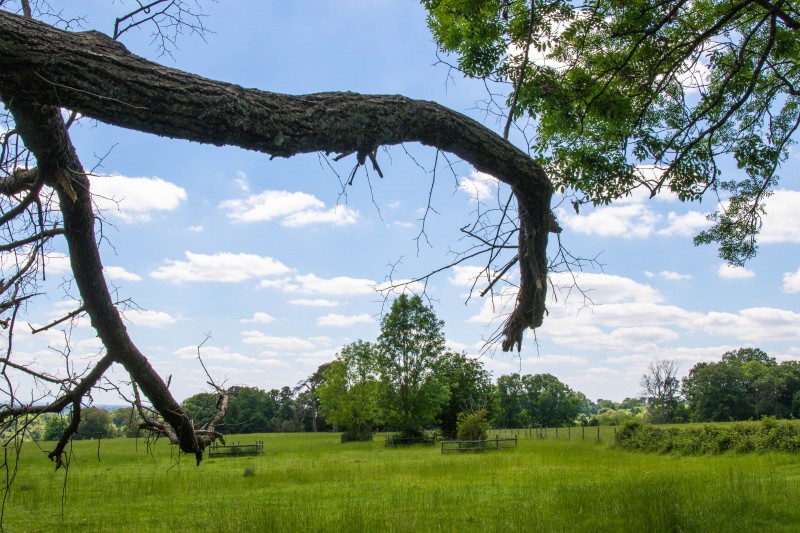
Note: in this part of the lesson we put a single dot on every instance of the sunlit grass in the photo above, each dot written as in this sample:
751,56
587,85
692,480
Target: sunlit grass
311,482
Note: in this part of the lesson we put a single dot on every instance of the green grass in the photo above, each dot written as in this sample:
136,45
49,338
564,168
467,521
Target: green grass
311,482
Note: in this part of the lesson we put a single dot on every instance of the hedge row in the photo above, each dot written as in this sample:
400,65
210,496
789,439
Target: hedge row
740,437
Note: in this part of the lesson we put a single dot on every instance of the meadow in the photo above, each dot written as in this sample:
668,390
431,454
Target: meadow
312,482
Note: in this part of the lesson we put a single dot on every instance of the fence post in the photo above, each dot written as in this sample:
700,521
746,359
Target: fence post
569,432
556,433
598,433
583,433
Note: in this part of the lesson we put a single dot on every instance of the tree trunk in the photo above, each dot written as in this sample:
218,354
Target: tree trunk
43,69
96,76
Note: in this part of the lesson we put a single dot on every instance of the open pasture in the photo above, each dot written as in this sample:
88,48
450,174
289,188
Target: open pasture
312,482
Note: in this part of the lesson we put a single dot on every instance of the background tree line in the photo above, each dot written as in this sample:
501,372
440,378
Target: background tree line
354,393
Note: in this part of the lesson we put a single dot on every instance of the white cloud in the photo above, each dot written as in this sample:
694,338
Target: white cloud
333,319
276,343
57,263
751,325
479,186
791,282
116,272
556,359
134,199
149,319
605,288
464,276
628,221
260,318
221,267
686,225
195,229
782,221
674,276
241,181
225,355
313,284
317,302
294,209
727,271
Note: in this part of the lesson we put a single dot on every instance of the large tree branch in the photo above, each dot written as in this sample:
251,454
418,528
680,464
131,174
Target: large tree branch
96,76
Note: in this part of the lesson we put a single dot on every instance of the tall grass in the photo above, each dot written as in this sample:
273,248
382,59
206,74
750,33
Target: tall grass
311,482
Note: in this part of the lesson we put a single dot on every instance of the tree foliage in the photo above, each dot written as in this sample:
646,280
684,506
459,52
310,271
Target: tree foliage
410,346
536,400
470,390
349,395
645,94
746,384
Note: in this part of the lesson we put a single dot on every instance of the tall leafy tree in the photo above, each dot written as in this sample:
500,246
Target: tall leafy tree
470,390
350,391
410,346
644,94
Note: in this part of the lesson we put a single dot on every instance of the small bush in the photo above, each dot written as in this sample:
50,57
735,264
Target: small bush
249,471
472,426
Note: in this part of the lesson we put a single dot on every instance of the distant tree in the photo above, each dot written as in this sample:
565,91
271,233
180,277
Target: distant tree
512,402
55,426
409,348
661,387
349,394
201,408
538,399
470,390
745,384
308,398
95,423
717,392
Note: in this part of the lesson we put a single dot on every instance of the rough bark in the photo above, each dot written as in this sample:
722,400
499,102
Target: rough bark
43,69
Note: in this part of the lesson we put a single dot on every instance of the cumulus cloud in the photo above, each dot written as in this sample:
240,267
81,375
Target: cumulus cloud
225,355
260,318
276,343
791,282
336,286
727,271
670,275
333,319
782,221
478,186
221,267
686,225
464,276
628,221
135,199
293,209
149,319
119,273
57,263
316,302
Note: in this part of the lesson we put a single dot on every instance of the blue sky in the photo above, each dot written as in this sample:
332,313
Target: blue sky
276,260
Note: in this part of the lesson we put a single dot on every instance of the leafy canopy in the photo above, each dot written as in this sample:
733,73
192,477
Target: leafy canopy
645,94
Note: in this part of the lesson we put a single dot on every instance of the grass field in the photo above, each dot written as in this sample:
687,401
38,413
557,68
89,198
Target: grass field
311,482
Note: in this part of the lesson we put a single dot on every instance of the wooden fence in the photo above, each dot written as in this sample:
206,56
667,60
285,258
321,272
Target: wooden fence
496,443
597,433
397,440
236,450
